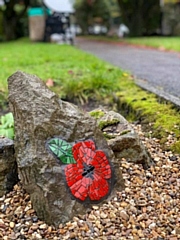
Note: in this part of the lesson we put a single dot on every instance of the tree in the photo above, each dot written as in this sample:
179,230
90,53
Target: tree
141,16
13,11
89,12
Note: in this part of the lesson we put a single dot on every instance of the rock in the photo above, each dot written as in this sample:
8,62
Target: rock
8,166
123,139
39,115
124,215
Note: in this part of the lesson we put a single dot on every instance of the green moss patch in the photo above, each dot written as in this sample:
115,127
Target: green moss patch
159,116
107,136
102,124
97,114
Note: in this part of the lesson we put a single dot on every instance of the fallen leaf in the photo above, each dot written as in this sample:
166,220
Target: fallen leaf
70,72
49,83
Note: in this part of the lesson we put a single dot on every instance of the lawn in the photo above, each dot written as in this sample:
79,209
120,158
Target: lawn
168,43
163,43
75,73
83,77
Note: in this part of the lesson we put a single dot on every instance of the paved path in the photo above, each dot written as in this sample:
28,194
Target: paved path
154,70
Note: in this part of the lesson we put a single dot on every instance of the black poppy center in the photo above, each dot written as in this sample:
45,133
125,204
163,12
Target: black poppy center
88,171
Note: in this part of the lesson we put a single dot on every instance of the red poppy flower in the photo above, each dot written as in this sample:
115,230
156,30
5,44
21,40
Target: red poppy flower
88,178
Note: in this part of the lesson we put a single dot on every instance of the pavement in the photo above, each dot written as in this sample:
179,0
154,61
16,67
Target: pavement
154,70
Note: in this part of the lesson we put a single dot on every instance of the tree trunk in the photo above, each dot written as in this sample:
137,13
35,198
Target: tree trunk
10,26
141,17
132,16
11,19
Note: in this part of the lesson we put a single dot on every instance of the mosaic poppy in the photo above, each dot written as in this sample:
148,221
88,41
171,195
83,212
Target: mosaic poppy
88,171
88,177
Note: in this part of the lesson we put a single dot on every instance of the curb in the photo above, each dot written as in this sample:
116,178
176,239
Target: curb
144,85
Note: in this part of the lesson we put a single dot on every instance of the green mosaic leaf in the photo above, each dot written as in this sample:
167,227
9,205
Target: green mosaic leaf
62,150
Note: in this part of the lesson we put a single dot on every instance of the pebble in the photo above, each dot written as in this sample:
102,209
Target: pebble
152,225
103,215
124,215
18,210
95,207
43,226
123,204
148,208
34,227
11,224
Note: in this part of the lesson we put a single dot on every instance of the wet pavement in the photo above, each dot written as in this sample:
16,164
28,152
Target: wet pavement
154,70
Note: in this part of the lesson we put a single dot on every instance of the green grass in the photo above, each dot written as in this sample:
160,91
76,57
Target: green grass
78,75
168,43
163,43
75,73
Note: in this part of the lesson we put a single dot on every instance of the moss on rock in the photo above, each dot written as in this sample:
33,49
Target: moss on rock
175,147
103,124
97,113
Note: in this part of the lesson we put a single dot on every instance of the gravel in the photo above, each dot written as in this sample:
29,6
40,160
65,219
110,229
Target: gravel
148,208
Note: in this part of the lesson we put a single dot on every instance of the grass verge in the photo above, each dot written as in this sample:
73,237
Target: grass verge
74,73
162,43
81,76
157,116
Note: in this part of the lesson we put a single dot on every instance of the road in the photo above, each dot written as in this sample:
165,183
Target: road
154,70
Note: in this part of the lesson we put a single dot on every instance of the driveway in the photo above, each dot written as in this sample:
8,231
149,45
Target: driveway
154,70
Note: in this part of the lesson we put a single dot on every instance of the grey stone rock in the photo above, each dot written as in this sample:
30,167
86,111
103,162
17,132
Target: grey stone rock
123,139
40,115
8,166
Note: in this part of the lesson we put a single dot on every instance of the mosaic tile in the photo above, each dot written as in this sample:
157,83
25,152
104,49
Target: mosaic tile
88,174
